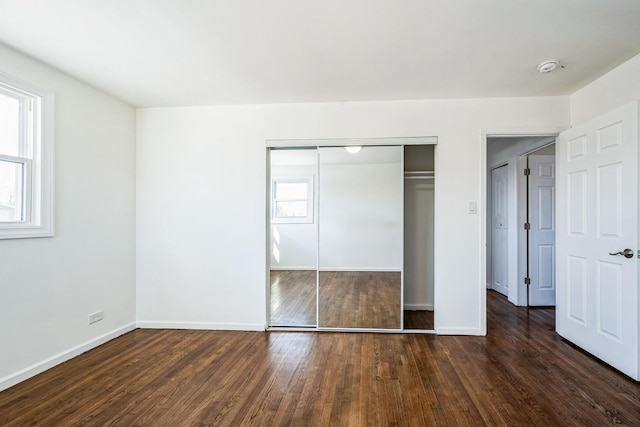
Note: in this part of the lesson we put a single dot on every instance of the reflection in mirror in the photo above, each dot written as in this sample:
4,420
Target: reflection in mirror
419,181
294,237
360,241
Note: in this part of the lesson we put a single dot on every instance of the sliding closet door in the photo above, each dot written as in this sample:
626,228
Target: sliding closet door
360,238
294,237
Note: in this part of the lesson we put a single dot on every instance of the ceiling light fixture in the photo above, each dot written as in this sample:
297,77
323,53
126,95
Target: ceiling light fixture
353,149
548,66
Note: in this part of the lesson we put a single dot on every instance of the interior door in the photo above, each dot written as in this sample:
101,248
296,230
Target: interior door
542,289
597,216
499,230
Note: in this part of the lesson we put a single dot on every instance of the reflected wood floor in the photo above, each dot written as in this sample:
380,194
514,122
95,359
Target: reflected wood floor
293,301
293,298
359,299
521,374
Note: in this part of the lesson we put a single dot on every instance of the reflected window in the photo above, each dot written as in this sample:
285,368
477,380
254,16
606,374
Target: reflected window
292,199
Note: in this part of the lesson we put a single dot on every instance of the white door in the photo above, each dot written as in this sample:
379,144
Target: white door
499,230
597,215
542,233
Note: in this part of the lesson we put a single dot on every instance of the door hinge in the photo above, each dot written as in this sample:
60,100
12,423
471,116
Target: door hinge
527,172
527,281
527,226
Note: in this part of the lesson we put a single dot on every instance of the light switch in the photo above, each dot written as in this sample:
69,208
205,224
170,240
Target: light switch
473,207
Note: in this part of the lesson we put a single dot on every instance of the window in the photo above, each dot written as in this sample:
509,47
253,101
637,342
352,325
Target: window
26,154
292,199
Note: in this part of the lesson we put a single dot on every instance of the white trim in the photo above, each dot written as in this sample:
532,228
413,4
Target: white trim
41,222
484,135
418,307
460,331
22,85
293,268
37,368
436,220
339,142
314,329
508,132
402,233
208,326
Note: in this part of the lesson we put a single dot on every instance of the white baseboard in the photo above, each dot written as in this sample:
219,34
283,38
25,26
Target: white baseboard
208,326
418,307
458,331
37,368
280,267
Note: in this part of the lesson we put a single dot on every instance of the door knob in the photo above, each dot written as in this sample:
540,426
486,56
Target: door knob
628,253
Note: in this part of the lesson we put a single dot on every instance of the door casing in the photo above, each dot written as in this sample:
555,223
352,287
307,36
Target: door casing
514,270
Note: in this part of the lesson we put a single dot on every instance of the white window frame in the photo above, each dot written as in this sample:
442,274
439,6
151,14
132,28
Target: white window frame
36,157
310,198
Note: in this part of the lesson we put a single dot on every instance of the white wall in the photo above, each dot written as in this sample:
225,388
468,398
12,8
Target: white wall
48,286
201,265
616,88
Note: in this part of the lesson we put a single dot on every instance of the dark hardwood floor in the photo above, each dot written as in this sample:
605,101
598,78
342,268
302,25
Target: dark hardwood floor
419,319
522,373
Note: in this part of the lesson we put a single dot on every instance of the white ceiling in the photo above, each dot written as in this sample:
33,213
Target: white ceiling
198,52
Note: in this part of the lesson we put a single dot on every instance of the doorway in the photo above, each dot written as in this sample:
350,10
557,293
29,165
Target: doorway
520,221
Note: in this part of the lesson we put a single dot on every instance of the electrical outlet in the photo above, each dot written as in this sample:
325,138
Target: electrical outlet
96,317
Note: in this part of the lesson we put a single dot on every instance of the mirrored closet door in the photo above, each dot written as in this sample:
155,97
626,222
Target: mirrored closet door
360,237
293,237
352,237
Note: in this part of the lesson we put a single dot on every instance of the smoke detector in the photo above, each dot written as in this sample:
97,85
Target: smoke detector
548,66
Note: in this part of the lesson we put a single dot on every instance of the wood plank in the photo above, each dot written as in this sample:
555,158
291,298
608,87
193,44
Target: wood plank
419,319
521,373
359,299
293,298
